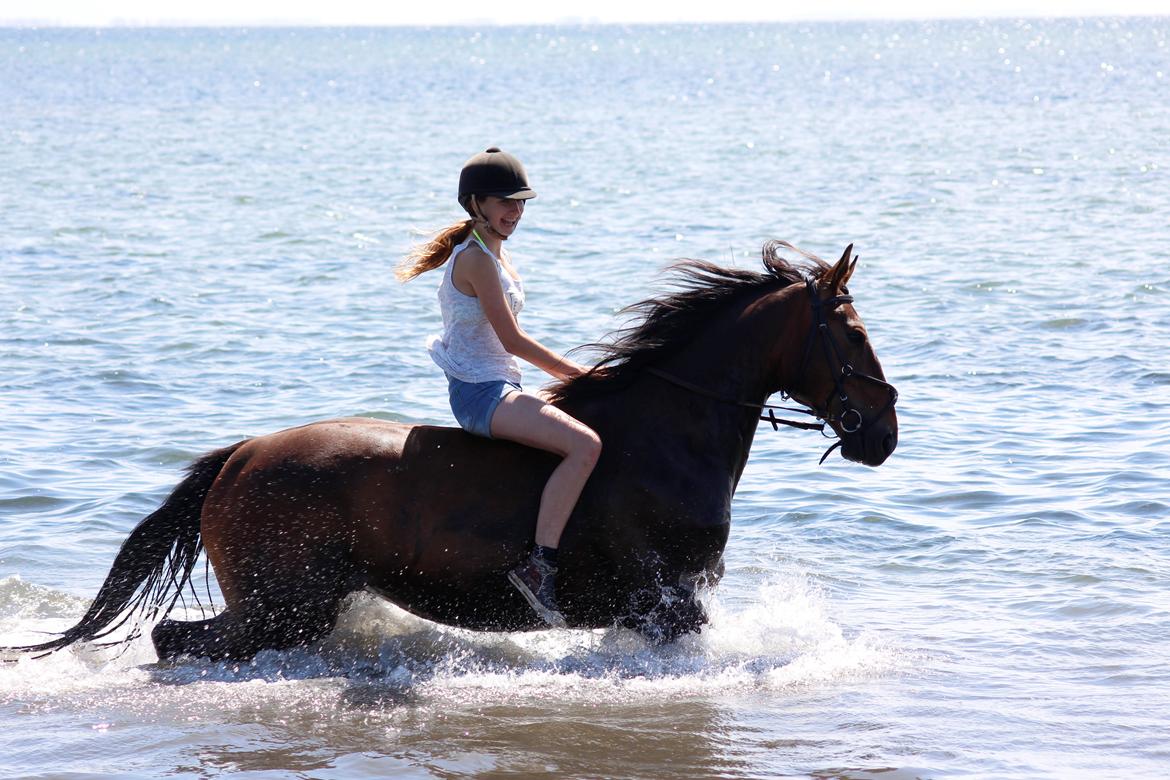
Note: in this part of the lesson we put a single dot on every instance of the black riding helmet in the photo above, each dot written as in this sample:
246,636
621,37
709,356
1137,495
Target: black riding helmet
493,172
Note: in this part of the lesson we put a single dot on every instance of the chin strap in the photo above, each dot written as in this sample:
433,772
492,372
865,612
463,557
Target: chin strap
479,218
487,226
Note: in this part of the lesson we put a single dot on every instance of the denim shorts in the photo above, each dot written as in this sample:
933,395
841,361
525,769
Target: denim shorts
474,403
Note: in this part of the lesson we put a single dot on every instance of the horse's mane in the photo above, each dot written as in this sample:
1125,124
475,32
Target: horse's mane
668,321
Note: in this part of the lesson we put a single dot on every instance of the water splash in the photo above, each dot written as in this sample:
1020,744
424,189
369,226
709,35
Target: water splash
782,638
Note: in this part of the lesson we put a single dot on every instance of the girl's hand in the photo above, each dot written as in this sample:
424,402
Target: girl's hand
571,369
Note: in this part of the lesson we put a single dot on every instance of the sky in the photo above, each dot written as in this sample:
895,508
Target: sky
87,13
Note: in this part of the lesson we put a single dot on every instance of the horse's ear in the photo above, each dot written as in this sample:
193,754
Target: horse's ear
842,270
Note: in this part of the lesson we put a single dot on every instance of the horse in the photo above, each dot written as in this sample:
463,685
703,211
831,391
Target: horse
431,518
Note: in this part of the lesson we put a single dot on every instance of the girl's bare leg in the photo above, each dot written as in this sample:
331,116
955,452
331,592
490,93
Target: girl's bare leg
528,420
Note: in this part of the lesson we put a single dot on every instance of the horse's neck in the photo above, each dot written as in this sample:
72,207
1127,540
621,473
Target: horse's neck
740,357
748,352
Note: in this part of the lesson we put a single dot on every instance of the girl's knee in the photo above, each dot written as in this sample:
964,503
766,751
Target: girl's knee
588,446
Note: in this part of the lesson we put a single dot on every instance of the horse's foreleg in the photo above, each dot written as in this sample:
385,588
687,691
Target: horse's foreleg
662,614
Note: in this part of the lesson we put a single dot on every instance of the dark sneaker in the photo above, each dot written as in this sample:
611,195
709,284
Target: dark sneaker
537,582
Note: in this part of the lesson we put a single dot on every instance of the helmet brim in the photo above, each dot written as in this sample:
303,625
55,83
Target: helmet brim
521,194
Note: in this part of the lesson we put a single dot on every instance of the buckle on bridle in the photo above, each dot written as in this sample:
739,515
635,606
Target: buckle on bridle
845,426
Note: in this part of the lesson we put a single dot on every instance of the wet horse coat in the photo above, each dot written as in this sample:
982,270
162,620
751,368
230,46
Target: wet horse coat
431,518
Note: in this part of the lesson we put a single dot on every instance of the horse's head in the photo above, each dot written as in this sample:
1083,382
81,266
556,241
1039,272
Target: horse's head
840,377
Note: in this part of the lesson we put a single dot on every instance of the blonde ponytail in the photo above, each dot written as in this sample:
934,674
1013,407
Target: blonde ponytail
432,254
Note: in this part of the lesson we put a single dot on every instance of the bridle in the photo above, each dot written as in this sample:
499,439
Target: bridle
849,419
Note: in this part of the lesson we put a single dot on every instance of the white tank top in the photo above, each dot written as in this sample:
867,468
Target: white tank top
469,348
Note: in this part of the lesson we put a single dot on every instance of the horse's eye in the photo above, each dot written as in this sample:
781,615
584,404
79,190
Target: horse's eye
856,337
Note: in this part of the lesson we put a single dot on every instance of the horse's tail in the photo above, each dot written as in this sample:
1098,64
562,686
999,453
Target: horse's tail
153,565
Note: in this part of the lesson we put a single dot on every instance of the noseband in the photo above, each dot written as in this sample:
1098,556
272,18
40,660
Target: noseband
849,419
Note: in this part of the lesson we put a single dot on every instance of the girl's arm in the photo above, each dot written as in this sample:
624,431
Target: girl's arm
479,271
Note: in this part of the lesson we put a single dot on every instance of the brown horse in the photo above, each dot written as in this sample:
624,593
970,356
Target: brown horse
431,518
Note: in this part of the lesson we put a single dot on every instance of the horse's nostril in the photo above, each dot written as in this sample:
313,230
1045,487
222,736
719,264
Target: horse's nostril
889,443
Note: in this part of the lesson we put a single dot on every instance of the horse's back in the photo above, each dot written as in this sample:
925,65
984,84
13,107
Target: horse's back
377,468
318,444
416,509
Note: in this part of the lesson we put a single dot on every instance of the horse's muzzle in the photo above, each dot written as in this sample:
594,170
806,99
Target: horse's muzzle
872,444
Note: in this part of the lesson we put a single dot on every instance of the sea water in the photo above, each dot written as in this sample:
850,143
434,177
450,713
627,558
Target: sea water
197,235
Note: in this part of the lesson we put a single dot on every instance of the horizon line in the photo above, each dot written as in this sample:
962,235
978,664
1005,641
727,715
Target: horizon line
259,22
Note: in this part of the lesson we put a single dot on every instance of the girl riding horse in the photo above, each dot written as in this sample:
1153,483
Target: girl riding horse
480,297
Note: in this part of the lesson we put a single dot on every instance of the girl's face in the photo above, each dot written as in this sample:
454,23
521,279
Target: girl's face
503,214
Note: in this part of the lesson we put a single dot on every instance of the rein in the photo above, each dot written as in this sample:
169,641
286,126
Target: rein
850,419
770,417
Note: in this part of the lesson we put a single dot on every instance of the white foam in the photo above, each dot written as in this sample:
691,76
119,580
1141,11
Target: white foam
773,635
